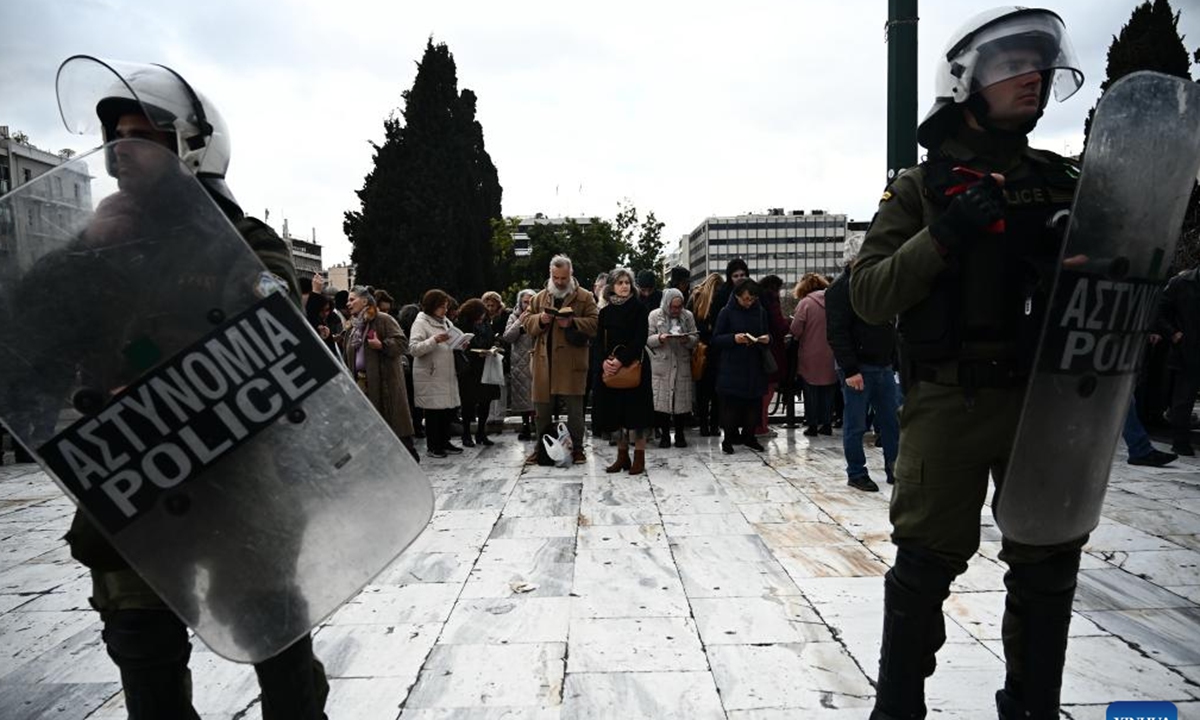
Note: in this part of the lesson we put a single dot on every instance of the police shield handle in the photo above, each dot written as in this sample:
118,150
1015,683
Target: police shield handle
1141,162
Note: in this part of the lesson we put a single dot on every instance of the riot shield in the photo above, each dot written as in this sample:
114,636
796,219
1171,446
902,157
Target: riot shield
172,388
1138,171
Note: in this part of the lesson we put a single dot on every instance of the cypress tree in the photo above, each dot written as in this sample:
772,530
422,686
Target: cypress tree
1151,41
428,203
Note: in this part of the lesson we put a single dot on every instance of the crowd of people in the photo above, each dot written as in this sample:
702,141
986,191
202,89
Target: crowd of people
710,359
651,364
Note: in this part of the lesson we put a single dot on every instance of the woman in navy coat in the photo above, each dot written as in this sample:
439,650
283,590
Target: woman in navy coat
742,334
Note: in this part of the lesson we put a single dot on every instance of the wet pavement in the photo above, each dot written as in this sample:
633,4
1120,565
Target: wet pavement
745,586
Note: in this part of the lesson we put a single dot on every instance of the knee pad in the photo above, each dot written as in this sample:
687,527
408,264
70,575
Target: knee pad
143,639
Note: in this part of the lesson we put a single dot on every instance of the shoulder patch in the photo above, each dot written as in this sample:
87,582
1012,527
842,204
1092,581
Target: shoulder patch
887,195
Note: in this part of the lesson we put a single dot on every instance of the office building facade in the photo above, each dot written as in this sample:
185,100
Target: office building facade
773,243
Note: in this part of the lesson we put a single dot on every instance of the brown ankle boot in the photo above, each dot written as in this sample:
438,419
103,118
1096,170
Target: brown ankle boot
639,463
622,461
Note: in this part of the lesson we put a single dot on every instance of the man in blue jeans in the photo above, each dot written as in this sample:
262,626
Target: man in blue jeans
863,353
1137,441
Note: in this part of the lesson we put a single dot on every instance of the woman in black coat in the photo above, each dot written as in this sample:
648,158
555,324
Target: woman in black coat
620,341
742,334
476,395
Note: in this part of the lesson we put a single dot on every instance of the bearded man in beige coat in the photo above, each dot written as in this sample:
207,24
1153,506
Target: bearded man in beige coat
562,320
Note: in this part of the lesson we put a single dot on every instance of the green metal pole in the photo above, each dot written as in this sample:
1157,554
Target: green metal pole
902,86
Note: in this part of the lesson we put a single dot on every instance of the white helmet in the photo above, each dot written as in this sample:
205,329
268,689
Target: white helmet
963,70
94,93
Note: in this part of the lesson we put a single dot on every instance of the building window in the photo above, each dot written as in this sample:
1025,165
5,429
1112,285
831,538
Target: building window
78,193
27,174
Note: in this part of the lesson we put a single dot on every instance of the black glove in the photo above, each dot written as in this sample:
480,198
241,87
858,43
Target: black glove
969,215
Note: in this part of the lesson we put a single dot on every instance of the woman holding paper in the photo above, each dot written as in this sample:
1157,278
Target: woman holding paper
434,383
742,334
477,396
671,339
374,350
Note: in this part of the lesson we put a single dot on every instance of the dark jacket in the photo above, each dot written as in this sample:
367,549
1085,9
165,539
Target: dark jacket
471,387
740,373
622,331
651,302
1179,311
854,341
779,329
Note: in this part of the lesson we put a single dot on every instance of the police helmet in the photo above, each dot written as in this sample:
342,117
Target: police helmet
94,93
974,59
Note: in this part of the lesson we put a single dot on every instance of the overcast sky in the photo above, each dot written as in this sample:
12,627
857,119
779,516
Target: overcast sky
689,110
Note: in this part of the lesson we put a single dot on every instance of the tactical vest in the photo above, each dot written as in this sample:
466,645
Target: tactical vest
990,303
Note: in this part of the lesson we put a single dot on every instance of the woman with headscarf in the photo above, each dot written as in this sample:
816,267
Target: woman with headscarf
520,376
374,350
628,414
672,335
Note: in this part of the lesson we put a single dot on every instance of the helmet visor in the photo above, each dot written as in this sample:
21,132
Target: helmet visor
90,90
1018,44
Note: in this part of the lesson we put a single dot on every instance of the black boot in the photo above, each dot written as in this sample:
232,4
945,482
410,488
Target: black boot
481,437
913,631
151,649
293,683
526,428
664,428
680,423
1037,617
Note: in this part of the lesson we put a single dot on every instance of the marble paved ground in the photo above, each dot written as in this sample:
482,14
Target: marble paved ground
745,587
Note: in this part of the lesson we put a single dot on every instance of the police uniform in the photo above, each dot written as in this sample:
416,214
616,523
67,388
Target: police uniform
145,638
127,327
968,325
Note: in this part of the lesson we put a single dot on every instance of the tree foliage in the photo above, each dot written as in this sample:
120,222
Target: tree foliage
430,199
595,246
1151,41
643,239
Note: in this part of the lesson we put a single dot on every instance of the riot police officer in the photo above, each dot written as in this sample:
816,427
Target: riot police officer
147,640
962,249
